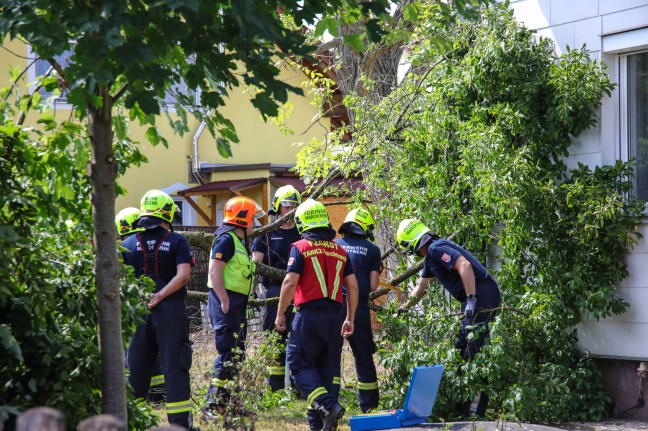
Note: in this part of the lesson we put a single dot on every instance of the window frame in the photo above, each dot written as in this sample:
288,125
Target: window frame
60,102
624,110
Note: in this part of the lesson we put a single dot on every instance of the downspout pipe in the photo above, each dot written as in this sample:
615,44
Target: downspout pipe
195,163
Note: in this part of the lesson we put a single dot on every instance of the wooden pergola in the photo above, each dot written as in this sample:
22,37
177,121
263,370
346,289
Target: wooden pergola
212,189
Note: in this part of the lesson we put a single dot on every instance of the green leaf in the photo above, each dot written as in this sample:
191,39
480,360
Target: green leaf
152,135
325,24
47,120
412,11
9,342
355,42
224,148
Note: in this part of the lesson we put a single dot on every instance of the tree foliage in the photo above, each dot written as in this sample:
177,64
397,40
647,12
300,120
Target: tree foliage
475,142
133,53
48,320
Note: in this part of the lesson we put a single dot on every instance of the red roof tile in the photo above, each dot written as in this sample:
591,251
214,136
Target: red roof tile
344,185
218,186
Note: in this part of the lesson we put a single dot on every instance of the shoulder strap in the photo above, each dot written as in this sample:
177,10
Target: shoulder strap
151,257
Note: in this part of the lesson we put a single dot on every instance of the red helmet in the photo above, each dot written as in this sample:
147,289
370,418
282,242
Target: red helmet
241,210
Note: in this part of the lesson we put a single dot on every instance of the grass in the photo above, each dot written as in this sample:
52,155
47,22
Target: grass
276,412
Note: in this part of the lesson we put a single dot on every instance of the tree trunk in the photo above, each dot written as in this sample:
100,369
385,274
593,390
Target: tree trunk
107,271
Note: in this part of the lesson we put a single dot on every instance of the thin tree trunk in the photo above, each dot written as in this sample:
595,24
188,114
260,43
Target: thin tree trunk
107,271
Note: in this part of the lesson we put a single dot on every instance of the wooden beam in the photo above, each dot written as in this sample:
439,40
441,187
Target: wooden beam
213,209
264,201
199,210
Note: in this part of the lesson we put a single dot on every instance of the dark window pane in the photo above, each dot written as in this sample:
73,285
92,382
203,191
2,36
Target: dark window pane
638,119
42,66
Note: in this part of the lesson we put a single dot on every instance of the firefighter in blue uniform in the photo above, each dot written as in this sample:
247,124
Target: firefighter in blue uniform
165,257
126,222
466,279
273,249
317,267
357,231
231,278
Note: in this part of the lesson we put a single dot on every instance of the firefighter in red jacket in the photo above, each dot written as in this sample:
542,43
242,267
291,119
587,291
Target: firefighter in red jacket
316,270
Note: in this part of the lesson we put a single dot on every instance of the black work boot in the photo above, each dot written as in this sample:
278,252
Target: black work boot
314,419
331,416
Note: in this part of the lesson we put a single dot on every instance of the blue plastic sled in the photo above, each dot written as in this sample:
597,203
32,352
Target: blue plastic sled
420,399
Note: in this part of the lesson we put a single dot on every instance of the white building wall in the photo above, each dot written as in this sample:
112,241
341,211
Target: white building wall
607,28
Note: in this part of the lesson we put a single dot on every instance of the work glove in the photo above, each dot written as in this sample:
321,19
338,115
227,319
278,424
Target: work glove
471,307
249,312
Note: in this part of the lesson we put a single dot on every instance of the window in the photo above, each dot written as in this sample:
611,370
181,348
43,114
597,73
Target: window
41,67
170,98
187,216
637,119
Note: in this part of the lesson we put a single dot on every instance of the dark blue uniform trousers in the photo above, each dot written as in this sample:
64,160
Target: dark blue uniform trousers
488,297
165,330
363,348
230,332
314,355
277,370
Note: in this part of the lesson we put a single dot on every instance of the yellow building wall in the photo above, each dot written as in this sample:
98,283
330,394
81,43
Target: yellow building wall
260,142
238,175
13,54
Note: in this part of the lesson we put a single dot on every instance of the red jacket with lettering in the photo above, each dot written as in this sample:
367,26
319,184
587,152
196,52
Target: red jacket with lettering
323,271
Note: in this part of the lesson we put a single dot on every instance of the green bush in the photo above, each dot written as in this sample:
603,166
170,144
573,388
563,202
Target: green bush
48,317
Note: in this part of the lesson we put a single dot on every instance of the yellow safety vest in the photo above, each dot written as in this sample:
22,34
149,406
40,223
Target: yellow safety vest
238,274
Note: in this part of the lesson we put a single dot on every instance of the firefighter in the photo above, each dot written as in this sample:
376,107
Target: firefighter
273,249
231,278
465,279
165,257
357,231
317,267
126,222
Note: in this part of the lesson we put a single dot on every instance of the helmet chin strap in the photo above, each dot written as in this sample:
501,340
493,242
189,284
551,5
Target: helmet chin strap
245,241
245,238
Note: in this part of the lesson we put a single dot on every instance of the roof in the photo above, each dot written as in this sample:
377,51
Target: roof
343,185
221,186
225,167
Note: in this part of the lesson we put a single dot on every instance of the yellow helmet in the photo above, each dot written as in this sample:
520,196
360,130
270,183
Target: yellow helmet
361,217
409,234
311,215
358,221
156,203
286,195
125,221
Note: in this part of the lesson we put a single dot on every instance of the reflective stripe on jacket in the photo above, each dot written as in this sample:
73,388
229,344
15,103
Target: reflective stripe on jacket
323,272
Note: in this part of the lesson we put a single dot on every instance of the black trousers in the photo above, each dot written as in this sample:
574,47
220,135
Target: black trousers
164,331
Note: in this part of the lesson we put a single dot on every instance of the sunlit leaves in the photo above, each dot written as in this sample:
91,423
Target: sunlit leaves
48,328
474,142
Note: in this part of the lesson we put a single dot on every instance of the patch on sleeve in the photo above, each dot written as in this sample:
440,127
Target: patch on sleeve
445,257
290,261
218,255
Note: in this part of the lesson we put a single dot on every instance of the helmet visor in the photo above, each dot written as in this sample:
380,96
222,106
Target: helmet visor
406,247
259,213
